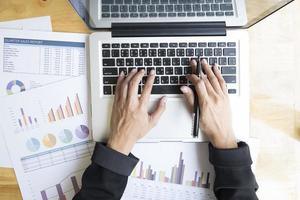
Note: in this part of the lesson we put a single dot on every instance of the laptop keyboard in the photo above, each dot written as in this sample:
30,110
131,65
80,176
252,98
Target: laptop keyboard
169,60
166,8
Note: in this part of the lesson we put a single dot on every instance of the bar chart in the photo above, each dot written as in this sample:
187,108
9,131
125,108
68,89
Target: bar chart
25,120
65,189
201,179
67,110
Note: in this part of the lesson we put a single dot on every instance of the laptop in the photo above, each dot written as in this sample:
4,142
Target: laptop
166,43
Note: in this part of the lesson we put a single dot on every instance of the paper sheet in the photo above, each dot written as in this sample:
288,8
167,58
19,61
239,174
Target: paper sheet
49,125
37,23
32,59
34,24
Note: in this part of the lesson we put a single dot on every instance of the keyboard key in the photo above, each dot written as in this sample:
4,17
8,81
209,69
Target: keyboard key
231,91
115,53
172,44
226,7
192,44
124,15
208,52
231,44
219,14
105,45
134,15
213,60
229,13
149,69
218,52
212,44
196,7
105,15
130,69
128,2
187,8
152,53
229,52
160,8
124,53
125,45
202,44
152,14
135,45
166,89
181,14
164,80
205,7
185,61
187,70
107,90
215,7
110,71
231,61
228,70
178,70
198,52
182,80
175,61
156,80
143,53
154,45
132,8
189,52
129,61
180,52
160,70
172,15
169,70
114,8
144,45
115,45
105,8
107,2
120,62
190,14
123,69
183,44
163,45
157,61
143,15
174,80
142,8
162,52
169,8
115,15
110,80
171,52
222,61
124,8
230,79
210,14
150,8
200,14
139,62
178,8
106,53
148,61
108,62
134,53
166,61
221,44
162,14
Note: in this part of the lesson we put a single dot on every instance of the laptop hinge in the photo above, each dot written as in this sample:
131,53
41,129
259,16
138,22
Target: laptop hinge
168,29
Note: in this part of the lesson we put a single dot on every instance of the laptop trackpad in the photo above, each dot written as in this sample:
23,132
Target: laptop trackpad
174,125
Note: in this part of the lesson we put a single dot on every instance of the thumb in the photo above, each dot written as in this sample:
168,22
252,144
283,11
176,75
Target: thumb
189,96
156,114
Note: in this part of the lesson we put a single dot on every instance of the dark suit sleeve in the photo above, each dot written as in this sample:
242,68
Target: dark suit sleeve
234,177
107,176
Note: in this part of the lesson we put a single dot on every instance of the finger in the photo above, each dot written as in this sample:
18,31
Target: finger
220,78
199,87
118,87
155,116
124,85
209,88
148,88
211,76
188,94
193,65
134,85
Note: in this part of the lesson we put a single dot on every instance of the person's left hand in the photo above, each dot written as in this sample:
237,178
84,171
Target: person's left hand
130,119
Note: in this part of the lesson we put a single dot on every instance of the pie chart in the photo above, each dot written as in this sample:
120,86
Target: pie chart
33,144
82,131
15,86
49,140
65,136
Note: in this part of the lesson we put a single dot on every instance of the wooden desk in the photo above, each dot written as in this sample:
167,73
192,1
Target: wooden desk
275,92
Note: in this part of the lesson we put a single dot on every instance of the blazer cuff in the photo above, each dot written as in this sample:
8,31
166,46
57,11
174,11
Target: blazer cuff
114,160
230,157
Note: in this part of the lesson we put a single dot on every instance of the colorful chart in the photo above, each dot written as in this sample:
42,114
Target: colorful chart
25,120
82,132
65,136
33,144
66,111
10,88
49,140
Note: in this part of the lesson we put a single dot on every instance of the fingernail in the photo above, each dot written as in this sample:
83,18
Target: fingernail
134,70
183,89
204,61
152,72
122,73
164,99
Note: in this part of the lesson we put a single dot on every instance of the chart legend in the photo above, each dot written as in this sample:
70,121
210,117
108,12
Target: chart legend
68,110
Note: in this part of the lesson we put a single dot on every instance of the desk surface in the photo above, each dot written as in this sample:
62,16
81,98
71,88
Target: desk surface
275,92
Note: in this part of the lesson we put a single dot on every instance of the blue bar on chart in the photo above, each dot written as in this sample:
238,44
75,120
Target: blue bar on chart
60,192
25,120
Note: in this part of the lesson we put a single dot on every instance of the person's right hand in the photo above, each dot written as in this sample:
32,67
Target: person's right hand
215,113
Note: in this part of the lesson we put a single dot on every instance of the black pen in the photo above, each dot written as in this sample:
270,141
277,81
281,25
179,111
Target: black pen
196,105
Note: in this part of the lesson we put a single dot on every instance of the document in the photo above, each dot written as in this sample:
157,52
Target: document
37,23
30,59
49,125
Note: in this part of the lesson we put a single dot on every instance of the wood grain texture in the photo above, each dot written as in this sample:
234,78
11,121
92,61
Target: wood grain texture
275,90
